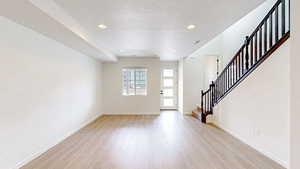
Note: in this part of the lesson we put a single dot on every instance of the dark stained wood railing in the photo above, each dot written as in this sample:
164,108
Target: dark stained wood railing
269,35
207,101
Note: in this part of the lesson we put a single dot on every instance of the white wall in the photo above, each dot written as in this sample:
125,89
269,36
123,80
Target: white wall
192,84
48,91
295,83
212,48
209,70
115,103
256,111
180,85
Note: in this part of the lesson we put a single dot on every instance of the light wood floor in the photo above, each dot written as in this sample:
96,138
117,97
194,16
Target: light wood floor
168,141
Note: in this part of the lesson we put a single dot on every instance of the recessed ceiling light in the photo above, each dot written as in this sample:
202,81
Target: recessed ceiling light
190,27
101,26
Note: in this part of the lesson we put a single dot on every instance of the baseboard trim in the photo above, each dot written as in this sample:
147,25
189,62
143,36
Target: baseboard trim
45,149
187,113
135,114
254,146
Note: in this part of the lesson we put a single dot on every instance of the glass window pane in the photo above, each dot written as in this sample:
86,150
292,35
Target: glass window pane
168,102
168,82
168,72
168,93
134,81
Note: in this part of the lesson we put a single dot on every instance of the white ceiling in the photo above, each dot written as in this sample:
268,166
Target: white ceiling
135,27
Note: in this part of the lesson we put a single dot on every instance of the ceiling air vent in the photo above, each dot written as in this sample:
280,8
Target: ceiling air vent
196,42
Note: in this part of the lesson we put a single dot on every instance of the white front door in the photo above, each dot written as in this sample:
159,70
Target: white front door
168,94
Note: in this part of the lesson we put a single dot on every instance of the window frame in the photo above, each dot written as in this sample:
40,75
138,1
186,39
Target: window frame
128,80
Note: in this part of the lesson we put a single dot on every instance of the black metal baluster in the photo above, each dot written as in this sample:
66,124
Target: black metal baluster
228,78
219,88
251,52
265,36
216,90
202,103
239,65
271,30
276,25
260,43
216,87
236,68
255,48
243,61
230,74
210,99
220,85
247,53
212,96
223,84
283,16
207,101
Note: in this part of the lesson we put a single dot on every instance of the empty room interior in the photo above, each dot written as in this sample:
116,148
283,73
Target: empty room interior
149,84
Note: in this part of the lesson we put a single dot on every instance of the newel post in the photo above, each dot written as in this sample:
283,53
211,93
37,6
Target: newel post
202,104
203,116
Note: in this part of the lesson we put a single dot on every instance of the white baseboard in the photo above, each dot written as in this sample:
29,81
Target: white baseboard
45,149
187,113
130,113
254,146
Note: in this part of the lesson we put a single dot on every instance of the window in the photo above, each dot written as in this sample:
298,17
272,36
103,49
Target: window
168,72
134,81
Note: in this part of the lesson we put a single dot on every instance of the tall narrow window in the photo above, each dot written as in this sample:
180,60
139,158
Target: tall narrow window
134,81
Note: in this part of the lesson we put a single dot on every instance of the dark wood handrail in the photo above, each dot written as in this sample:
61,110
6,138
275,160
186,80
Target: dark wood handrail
269,35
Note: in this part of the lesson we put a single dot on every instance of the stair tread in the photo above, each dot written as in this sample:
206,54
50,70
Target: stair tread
196,115
196,111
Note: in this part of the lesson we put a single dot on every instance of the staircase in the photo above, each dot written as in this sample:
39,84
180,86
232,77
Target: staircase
268,36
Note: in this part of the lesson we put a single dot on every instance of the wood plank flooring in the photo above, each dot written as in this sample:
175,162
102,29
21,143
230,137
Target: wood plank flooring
168,141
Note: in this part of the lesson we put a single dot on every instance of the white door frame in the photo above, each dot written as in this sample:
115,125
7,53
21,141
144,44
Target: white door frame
174,87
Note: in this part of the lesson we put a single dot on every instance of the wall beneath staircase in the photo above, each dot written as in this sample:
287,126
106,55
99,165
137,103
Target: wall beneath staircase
295,83
257,110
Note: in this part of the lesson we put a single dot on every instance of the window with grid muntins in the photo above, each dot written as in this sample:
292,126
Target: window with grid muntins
134,81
